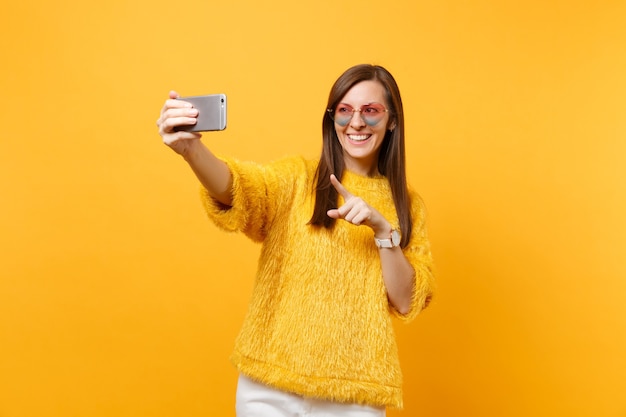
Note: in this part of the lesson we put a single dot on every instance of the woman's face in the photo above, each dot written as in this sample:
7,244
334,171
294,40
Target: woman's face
361,121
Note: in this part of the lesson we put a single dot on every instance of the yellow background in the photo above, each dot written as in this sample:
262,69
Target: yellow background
119,298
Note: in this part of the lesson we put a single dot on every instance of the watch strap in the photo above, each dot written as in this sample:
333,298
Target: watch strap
383,243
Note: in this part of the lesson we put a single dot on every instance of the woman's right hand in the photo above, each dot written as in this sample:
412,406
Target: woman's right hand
173,114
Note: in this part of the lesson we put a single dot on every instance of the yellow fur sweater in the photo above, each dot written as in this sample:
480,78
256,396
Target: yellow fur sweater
319,322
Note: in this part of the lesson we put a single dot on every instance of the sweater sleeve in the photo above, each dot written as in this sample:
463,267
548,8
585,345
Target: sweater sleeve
258,192
419,255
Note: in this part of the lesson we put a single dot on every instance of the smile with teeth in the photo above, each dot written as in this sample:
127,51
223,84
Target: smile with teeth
358,138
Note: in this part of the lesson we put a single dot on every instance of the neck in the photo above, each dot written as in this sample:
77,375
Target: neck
362,167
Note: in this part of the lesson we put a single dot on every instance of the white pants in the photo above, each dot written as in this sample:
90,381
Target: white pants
258,400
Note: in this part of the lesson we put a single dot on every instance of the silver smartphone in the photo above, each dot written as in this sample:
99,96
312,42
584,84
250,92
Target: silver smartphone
211,113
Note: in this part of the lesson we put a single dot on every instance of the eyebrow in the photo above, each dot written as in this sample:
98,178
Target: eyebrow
366,104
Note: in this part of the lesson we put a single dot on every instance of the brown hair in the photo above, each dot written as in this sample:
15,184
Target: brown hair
391,160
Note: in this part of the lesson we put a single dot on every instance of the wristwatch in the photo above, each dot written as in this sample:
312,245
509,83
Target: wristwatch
392,242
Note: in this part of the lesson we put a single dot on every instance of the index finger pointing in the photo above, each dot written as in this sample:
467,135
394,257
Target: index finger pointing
339,187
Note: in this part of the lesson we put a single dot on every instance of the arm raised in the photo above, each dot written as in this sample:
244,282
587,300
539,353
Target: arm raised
213,173
398,274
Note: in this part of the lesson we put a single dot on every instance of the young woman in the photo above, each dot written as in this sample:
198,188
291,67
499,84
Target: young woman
344,248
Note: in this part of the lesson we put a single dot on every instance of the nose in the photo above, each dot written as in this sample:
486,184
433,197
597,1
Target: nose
357,121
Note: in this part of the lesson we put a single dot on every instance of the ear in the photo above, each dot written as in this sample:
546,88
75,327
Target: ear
392,126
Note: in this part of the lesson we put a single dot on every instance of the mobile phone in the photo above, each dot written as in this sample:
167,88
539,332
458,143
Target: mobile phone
211,113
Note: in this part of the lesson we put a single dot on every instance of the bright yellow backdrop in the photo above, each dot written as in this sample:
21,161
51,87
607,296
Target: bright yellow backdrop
118,298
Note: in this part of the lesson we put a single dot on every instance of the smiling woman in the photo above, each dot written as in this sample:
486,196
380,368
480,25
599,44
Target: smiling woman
118,298
294,343
361,132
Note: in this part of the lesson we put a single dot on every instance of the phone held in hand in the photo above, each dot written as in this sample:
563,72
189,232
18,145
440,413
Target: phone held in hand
211,113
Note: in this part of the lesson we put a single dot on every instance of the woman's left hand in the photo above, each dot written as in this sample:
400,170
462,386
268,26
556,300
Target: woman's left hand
356,211
398,274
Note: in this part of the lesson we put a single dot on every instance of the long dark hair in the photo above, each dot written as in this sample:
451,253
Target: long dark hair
391,160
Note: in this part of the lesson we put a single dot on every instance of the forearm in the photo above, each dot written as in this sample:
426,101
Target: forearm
212,172
399,278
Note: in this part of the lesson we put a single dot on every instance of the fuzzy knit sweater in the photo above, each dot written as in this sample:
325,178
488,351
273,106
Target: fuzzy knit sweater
319,322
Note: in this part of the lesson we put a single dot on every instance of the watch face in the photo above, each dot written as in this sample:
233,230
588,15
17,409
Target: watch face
395,237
